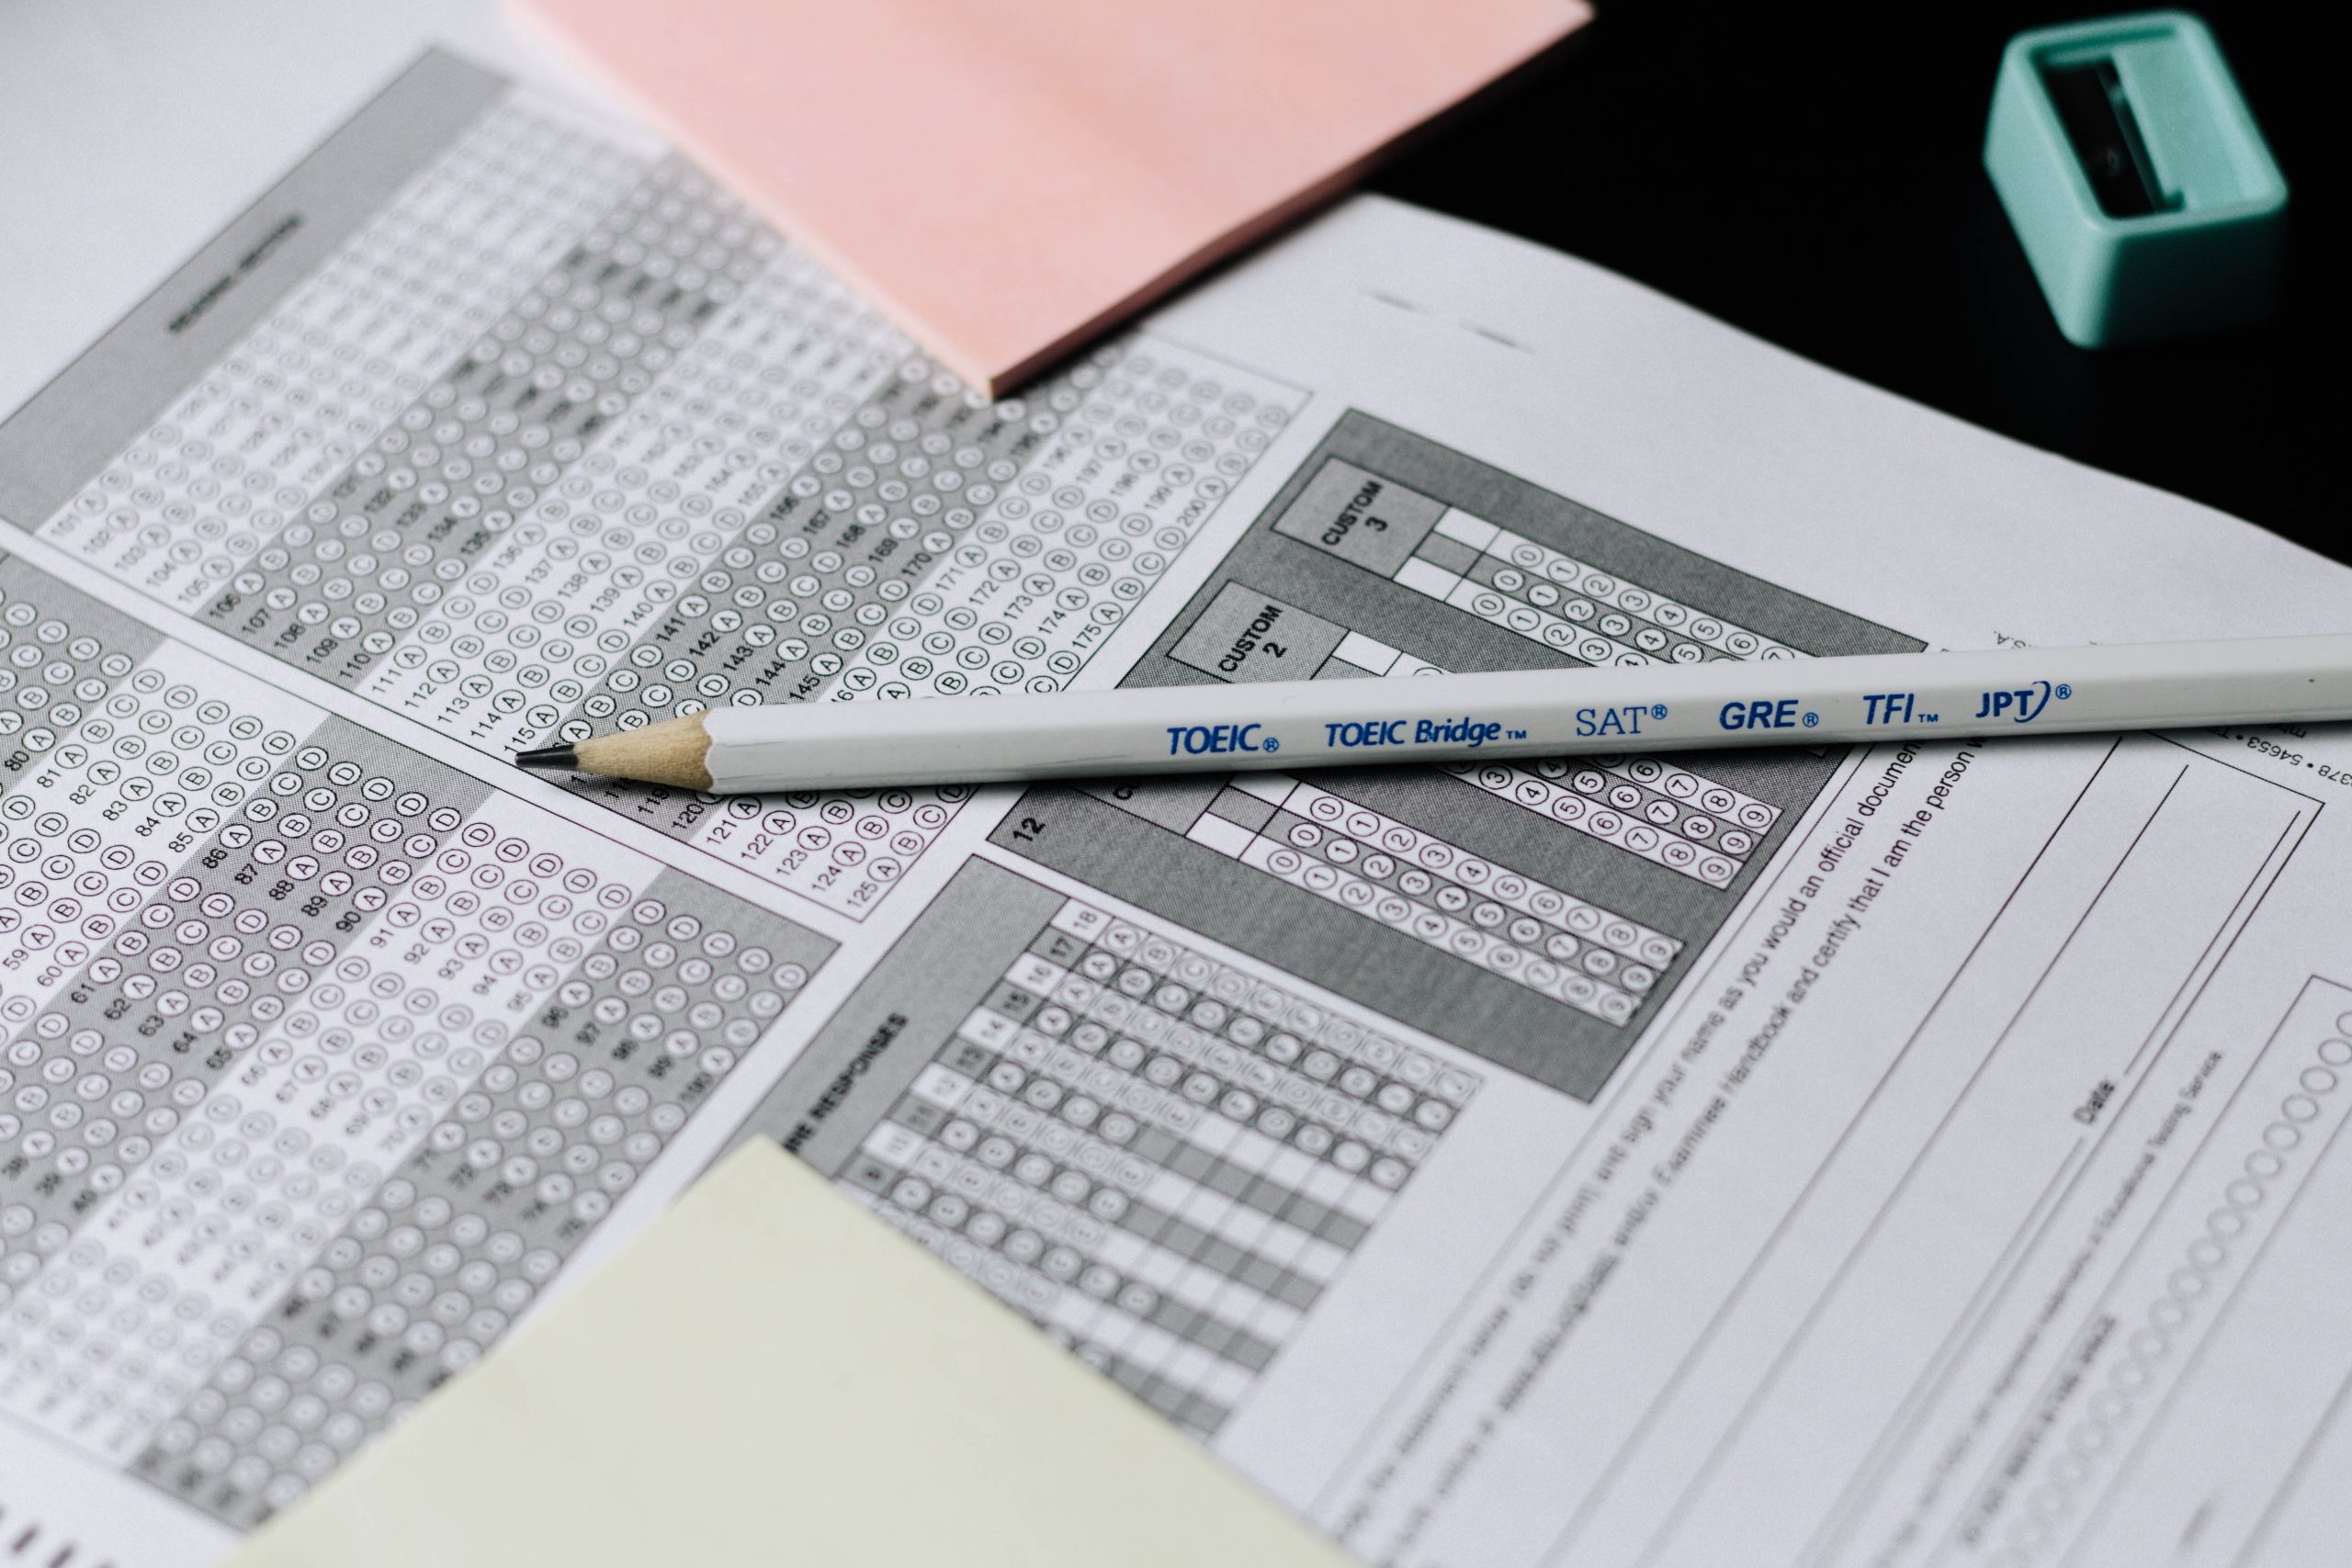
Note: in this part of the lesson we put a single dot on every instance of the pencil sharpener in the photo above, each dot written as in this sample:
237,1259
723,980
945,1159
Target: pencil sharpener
2136,179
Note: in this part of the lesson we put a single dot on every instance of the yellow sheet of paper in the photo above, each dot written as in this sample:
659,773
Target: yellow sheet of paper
769,1374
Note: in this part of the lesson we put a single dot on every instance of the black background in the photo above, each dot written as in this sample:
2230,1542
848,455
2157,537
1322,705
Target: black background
1815,178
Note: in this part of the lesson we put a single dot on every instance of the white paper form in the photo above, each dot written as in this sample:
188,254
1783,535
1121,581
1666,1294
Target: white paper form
1913,1155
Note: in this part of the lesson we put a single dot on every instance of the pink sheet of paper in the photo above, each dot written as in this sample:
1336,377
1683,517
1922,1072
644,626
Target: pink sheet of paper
1008,177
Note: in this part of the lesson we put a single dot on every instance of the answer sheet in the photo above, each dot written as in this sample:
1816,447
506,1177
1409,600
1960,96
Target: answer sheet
1913,1155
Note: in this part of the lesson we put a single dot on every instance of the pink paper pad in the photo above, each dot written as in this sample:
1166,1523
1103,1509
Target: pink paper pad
1008,177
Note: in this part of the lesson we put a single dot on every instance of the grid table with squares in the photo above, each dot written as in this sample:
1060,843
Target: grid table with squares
1535,919
1545,596
1657,809
564,439
1505,578
1160,1158
1553,942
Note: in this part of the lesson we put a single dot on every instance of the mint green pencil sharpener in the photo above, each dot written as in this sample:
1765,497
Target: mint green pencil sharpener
2136,179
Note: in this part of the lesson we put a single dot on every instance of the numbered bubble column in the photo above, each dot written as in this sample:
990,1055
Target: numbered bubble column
388,540
661,497
681,981
821,565
106,1031
227,1204
57,772
842,849
242,1185
903,558
98,822
1119,461
776,612
538,918
241,452
190,983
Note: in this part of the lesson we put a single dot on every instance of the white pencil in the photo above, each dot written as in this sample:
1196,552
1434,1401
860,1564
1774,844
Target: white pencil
1532,712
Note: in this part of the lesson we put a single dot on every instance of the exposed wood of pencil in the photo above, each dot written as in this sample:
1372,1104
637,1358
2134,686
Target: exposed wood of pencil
671,752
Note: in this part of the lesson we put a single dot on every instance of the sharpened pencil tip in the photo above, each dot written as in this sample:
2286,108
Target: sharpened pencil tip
548,759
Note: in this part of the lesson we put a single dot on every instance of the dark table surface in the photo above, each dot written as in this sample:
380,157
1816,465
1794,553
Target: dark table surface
1816,180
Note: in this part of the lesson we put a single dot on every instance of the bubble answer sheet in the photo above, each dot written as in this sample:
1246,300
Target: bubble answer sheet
1923,1154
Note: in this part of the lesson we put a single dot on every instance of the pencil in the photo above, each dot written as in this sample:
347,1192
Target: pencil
1531,713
